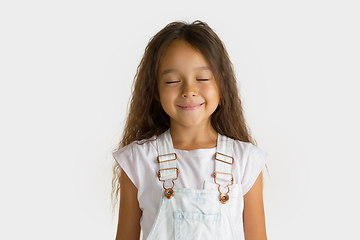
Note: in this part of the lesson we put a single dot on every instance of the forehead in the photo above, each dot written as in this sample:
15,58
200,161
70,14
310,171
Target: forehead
181,55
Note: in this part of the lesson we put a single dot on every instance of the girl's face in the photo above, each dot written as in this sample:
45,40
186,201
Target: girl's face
187,88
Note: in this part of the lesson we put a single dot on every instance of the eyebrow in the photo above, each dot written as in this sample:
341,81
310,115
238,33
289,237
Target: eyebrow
168,71
173,70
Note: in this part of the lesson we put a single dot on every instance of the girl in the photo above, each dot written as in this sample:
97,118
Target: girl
186,163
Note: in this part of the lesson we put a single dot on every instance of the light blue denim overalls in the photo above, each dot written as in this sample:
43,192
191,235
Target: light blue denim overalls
189,214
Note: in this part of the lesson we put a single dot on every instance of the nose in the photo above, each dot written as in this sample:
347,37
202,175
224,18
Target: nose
189,90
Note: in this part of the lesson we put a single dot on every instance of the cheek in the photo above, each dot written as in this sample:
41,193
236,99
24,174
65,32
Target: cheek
213,93
167,98
169,92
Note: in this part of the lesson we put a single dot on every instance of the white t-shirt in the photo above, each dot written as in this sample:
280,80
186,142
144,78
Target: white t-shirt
196,167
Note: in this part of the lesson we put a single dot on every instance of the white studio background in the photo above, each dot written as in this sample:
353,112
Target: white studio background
66,69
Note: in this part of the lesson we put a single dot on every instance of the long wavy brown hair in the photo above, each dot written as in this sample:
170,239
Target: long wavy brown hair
146,118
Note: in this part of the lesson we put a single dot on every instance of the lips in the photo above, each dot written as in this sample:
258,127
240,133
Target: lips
190,106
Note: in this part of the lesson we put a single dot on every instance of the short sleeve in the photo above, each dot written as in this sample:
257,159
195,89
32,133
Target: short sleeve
127,162
254,164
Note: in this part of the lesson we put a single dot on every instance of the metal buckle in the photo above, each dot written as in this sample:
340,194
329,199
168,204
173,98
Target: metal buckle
224,197
169,192
177,173
216,158
158,158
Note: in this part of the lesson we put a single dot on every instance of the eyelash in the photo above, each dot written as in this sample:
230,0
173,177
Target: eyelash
200,80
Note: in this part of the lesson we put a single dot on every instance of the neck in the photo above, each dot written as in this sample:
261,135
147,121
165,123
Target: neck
190,138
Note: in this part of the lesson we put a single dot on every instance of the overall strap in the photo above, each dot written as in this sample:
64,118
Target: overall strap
167,161
223,162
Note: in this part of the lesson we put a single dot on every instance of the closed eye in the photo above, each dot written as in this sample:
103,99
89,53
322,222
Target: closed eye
202,79
170,82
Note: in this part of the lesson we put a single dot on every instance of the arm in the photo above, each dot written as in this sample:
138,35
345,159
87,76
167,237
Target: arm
129,213
254,216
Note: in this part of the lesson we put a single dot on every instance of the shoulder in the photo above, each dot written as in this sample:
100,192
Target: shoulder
136,158
137,153
248,158
144,146
247,150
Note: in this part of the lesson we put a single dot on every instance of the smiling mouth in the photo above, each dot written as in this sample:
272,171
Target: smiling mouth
190,106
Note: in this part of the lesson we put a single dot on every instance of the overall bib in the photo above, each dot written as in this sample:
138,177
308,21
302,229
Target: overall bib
189,214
